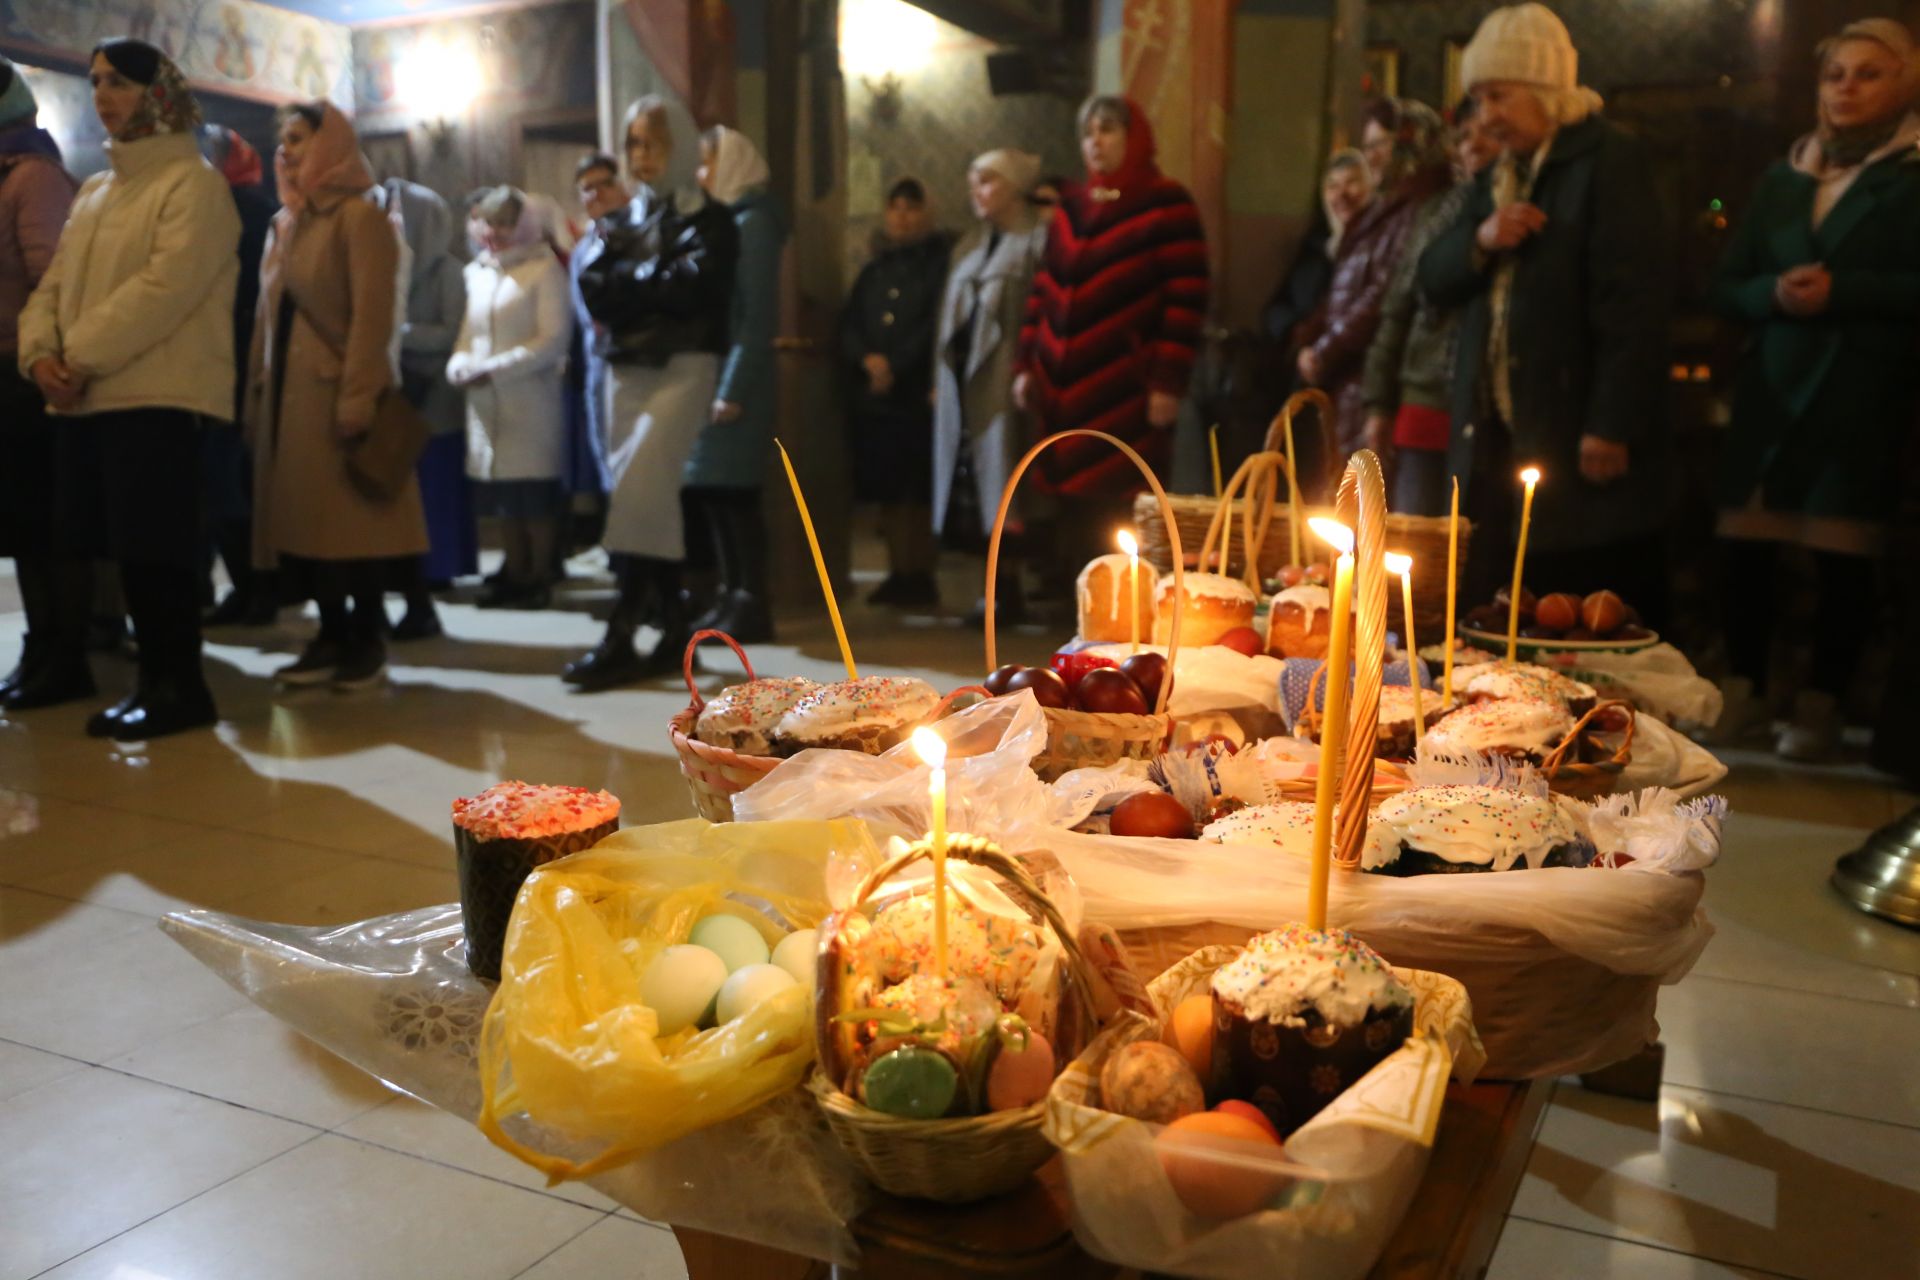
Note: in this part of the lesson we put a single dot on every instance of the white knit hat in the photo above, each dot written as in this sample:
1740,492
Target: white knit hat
1523,43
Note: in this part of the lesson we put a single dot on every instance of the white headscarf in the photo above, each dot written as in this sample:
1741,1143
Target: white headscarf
678,182
737,166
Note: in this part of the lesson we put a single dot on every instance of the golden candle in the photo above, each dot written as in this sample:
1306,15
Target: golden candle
1130,546
932,748
1293,497
1453,587
1403,565
820,566
1333,721
1213,444
1530,477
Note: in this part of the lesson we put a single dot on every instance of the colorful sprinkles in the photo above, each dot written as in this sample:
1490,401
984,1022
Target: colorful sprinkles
1284,973
524,810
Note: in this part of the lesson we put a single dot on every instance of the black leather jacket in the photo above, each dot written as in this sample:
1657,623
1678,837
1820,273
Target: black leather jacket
660,281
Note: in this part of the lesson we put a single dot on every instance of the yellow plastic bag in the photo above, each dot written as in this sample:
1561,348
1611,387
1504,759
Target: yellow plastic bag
569,1044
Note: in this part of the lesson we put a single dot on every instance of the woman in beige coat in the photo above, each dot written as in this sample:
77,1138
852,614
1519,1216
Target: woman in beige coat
323,353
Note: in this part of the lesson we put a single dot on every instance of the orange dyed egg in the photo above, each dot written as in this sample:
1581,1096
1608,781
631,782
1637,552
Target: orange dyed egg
1213,1159
1191,1030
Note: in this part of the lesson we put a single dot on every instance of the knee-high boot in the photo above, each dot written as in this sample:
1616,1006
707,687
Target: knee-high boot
613,662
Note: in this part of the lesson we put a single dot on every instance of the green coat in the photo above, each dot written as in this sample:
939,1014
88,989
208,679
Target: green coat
733,455
1587,337
1823,406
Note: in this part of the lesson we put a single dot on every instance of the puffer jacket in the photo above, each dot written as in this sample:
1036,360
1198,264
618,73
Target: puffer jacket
1411,358
35,194
658,281
1369,253
139,297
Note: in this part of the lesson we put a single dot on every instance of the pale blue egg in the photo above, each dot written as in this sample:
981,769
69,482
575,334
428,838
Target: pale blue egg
747,987
732,939
798,954
681,984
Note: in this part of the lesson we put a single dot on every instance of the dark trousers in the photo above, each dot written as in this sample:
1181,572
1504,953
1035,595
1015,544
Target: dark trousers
1750,575
730,521
56,587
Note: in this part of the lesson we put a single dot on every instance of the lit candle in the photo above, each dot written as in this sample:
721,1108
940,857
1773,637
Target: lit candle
1293,495
1453,586
932,748
1333,721
1131,547
1213,443
1403,565
820,565
1530,477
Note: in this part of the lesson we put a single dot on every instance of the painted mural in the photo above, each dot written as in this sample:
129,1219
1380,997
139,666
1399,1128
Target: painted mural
234,46
536,57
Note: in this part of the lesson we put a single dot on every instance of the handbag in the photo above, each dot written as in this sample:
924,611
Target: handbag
381,459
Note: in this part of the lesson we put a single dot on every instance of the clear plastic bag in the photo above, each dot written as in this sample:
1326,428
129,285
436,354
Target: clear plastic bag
1334,1195
394,997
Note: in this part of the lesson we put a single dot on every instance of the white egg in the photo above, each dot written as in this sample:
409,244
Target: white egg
747,987
798,954
732,939
680,985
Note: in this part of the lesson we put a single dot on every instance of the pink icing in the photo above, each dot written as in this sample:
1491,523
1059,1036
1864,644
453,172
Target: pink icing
524,810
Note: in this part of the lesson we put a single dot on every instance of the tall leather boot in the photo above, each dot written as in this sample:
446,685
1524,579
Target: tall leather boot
746,615
172,695
714,521
613,662
669,654
53,668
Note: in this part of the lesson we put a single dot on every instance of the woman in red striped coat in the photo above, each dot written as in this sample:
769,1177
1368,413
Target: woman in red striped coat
1113,322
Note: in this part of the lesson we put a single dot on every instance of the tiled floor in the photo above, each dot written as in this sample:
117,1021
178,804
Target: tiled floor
155,1125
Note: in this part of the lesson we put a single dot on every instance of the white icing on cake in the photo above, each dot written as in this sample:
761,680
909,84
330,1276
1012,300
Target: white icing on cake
1288,824
1311,600
1530,725
847,706
1485,826
742,717
1120,572
1396,704
1525,680
1284,973
1208,586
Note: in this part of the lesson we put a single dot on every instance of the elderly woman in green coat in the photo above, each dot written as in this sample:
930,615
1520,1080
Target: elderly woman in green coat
1824,269
722,493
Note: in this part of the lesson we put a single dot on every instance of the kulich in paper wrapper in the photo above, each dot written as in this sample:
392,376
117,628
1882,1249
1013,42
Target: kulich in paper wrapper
501,835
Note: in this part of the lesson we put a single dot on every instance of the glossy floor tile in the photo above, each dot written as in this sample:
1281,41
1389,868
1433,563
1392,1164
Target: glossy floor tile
154,1124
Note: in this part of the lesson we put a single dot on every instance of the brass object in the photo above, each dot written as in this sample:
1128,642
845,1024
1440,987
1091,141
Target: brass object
1882,876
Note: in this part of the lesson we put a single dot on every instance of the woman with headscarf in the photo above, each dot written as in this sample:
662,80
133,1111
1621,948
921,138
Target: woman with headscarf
325,351
730,459
979,433
1369,249
658,283
130,335
1405,382
36,192
1559,265
510,360
436,302
1824,269
1112,324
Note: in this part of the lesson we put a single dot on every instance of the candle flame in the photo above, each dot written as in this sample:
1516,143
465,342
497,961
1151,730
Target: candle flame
1399,563
1530,477
1128,546
1333,532
930,746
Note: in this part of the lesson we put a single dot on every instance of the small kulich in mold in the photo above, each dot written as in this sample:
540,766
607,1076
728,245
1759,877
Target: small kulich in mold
1299,1017
500,836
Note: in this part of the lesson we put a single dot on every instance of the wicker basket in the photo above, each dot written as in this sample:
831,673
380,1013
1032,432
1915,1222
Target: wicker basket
1088,739
969,1157
1588,781
714,774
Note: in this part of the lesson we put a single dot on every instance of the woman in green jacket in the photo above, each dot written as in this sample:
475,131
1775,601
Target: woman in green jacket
1825,271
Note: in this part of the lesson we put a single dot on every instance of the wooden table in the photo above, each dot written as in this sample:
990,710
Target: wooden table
1479,1155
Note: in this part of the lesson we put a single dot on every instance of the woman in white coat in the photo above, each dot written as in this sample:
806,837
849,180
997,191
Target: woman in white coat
510,358
978,431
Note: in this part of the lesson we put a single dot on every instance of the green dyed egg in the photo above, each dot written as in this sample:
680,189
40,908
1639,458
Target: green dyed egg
915,1084
732,939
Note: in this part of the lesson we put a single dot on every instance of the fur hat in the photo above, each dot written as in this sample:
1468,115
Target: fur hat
1523,43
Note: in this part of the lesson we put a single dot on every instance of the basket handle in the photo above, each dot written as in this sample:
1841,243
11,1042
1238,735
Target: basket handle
945,704
1323,415
686,664
1556,759
1166,514
1361,505
1265,466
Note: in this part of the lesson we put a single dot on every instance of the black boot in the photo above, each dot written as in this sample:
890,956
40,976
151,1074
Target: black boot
13,678
747,616
669,655
613,662
172,695
53,667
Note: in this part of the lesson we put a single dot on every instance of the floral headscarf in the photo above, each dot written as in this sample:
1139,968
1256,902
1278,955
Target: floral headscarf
1419,143
167,106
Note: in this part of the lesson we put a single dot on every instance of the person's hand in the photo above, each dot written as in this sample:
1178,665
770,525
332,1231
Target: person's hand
1508,228
1308,364
879,374
1163,409
1377,435
1602,461
1023,391
1804,290
61,386
725,411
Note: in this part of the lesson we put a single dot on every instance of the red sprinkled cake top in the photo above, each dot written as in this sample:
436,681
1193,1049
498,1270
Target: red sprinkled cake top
524,810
